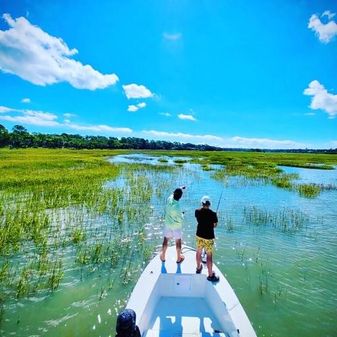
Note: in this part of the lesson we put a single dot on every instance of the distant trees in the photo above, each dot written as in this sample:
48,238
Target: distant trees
4,136
21,138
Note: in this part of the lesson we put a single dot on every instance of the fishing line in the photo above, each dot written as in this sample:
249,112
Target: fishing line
220,198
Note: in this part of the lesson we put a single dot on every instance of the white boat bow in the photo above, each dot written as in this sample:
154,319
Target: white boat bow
171,300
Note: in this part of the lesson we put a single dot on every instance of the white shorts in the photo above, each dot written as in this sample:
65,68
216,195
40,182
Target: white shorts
172,233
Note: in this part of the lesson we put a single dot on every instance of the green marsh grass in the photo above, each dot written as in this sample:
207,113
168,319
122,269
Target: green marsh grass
52,200
261,167
309,190
64,210
286,220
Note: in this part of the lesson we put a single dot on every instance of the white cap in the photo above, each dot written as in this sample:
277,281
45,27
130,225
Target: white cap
206,200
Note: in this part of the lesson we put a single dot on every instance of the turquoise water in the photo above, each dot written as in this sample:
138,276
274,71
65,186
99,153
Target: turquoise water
277,249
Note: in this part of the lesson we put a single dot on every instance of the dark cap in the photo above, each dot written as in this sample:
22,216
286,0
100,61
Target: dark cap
126,321
178,192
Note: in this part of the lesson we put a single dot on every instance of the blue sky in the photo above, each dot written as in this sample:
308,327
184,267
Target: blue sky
228,73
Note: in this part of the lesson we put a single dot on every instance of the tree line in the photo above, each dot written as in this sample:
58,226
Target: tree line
19,137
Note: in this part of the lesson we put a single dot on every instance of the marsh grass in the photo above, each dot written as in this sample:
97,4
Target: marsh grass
60,214
260,167
227,222
264,279
309,190
56,200
286,220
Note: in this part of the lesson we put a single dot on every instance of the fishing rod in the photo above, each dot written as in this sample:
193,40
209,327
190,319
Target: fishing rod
219,201
203,253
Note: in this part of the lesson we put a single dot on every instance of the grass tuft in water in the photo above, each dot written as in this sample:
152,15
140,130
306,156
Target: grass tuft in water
309,190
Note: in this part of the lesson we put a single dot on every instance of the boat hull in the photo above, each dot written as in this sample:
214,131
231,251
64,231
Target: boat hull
170,299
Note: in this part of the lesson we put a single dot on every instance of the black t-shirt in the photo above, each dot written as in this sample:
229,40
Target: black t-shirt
206,219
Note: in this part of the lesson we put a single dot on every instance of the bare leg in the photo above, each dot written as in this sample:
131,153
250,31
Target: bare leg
198,258
210,264
178,248
164,248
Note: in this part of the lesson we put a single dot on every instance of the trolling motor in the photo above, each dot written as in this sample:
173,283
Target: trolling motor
126,324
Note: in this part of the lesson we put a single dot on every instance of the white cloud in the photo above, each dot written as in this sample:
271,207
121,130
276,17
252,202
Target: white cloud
141,105
134,108
97,128
324,31
186,117
136,91
231,142
333,144
31,117
265,143
183,137
40,118
35,56
172,37
321,98
5,109
26,100
329,14
166,114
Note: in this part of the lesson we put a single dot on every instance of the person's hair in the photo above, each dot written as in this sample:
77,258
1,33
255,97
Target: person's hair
177,194
126,324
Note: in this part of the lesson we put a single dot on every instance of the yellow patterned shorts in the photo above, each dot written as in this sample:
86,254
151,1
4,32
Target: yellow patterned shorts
205,244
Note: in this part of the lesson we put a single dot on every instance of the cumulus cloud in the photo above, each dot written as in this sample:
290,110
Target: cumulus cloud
325,31
136,91
26,100
186,117
35,56
172,37
321,98
134,108
329,14
141,105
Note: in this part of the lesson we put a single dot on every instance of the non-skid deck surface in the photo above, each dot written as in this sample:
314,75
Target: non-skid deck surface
188,266
182,316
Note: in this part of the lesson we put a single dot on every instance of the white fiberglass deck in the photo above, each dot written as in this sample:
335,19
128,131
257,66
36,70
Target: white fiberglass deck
178,316
171,300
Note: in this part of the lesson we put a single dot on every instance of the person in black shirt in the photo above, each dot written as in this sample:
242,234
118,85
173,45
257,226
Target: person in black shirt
207,221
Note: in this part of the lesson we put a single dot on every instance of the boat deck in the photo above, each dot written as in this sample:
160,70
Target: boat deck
183,316
171,300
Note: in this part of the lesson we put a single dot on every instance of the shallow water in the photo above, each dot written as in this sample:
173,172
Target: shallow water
277,249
